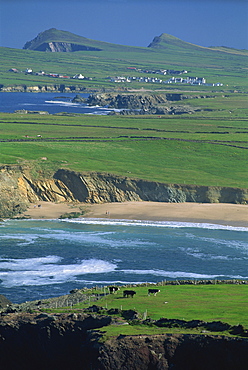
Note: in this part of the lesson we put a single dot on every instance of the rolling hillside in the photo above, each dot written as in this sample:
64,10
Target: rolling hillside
44,40
99,61
169,42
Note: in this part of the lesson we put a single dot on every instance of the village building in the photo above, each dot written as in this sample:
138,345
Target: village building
13,70
79,76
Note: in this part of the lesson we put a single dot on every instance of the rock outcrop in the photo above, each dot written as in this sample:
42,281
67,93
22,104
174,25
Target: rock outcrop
126,101
172,351
4,302
65,341
18,188
78,99
63,47
12,201
141,103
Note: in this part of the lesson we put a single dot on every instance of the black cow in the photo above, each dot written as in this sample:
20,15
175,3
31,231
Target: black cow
153,291
113,289
128,293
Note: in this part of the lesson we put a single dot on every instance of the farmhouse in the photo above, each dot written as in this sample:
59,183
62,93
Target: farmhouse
13,70
41,73
78,76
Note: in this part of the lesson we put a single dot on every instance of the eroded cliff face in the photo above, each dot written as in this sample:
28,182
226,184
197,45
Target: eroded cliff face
171,351
101,188
64,47
18,189
66,341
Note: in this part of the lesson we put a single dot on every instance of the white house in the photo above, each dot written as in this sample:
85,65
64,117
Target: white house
79,76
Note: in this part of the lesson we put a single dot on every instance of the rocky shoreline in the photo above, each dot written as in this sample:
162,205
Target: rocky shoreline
44,88
143,104
125,103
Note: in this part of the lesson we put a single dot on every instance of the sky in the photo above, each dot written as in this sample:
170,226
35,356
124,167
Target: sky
128,22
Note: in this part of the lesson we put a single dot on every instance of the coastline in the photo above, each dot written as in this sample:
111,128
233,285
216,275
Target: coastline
211,213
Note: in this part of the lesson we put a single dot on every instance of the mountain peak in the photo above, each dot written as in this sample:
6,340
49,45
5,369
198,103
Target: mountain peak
165,41
53,40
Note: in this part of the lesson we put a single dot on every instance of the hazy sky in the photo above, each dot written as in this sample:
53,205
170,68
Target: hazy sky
128,22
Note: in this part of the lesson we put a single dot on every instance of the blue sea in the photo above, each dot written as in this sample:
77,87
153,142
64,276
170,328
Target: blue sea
47,258
50,102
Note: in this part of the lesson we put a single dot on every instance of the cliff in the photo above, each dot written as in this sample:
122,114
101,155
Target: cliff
63,47
18,188
67,341
101,188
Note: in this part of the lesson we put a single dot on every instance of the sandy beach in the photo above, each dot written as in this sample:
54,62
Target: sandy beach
218,213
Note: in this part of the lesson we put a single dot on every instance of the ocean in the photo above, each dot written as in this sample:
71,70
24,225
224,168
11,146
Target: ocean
48,258
50,102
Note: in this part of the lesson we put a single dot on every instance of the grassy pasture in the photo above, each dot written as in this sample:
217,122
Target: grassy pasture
195,149
220,302
187,302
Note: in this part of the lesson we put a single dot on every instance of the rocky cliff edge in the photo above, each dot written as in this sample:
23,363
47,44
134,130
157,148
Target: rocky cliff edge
67,341
18,189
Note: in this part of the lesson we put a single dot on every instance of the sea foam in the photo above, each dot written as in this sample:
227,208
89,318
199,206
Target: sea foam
63,103
168,224
48,270
179,274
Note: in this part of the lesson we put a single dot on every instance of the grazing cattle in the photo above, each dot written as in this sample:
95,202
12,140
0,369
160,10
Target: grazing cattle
113,289
153,291
128,293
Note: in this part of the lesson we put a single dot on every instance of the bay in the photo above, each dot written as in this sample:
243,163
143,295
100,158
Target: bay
50,102
47,258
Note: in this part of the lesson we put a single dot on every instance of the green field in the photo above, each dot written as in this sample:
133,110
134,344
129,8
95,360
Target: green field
221,302
207,148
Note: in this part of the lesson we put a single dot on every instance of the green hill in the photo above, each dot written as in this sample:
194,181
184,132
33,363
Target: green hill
169,42
54,40
165,41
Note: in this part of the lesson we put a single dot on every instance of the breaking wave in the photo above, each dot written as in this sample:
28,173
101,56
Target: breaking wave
48,270
179,274
168,224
